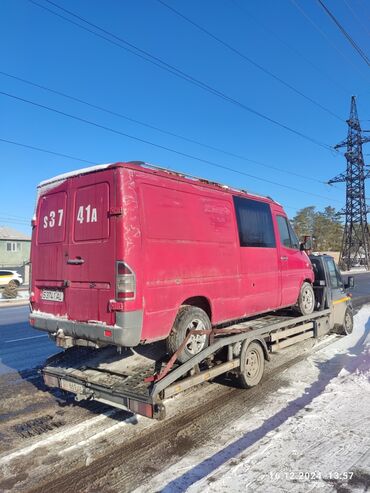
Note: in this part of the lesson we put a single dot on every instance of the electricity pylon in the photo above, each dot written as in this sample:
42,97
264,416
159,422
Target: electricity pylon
355,243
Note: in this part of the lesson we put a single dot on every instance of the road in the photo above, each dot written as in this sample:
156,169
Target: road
21,346
362,285
47,443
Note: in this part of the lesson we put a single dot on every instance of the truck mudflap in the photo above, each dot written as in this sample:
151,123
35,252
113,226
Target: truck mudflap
141,382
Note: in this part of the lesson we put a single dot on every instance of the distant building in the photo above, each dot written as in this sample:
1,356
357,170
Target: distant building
14,250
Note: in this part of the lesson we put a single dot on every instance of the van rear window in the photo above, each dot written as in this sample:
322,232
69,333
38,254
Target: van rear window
52,218
91,220
254,223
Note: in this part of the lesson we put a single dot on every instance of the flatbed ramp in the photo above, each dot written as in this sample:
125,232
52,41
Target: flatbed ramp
140,380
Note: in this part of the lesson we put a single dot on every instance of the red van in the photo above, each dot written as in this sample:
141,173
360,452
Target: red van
129,253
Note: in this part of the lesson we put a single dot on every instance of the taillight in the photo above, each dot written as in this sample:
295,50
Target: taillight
125,282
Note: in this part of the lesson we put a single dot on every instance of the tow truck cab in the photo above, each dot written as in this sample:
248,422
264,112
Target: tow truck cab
331,291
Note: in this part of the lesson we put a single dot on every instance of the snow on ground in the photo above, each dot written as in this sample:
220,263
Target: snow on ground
22,295
311,435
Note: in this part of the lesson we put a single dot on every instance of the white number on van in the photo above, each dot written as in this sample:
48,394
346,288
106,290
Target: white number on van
60,212
49,221
91,214
52,219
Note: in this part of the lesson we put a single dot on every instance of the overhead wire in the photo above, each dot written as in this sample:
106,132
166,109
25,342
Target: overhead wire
159,146
40,149
327,38
156,128
249,60
345,33
164,65
290,47
355,16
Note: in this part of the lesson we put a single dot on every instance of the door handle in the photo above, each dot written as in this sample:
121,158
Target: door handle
284,258
75,261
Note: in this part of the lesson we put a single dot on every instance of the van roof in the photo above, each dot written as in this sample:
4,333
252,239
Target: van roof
143,165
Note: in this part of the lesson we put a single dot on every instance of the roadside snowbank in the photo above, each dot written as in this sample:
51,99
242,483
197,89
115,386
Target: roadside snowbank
311,435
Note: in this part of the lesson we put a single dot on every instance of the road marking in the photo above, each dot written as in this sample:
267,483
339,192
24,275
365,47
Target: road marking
111,429
26,338
62,435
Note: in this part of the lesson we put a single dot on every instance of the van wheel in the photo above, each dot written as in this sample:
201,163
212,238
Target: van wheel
188,318
347,326
252,365
306,300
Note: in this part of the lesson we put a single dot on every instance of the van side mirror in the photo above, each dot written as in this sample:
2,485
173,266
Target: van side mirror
306,244
350,282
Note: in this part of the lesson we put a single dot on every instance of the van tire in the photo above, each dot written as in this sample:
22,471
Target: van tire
306,300
188,317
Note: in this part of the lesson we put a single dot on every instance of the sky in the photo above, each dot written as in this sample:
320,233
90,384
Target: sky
252,130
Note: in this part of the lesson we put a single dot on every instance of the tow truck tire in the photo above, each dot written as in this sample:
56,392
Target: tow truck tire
306,300
347,326
252,365
188,318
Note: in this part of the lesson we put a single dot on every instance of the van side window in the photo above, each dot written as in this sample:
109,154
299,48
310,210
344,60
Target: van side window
335,277
288,238
254,223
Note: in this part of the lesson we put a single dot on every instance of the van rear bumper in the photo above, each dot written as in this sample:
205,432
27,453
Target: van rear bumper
126,332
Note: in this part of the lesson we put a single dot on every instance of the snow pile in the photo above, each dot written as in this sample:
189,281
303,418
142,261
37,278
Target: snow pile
311,435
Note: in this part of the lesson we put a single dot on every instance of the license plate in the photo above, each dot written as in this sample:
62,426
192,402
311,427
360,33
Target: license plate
52,295
76,388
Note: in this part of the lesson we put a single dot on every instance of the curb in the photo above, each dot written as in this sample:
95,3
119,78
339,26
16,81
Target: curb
11,303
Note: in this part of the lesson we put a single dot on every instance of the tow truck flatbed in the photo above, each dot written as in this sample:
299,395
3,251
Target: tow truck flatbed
125,382
141,380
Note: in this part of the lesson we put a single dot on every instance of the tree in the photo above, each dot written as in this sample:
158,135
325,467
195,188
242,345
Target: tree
303,222
325,227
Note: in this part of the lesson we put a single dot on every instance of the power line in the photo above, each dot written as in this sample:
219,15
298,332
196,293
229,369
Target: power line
19,144
34,148
345,34
169,149
301,55
324,35
166,132
7,220
359,20
249,60
164,65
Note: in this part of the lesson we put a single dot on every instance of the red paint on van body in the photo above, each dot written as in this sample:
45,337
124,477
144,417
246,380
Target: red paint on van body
178,236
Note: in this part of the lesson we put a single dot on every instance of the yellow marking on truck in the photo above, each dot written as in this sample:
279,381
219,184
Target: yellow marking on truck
335,302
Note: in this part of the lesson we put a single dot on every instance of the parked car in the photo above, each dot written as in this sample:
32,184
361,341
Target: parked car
129,253
7,276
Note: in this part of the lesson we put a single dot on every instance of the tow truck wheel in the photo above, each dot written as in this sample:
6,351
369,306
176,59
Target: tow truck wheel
252,365
189,318
347,326
306,299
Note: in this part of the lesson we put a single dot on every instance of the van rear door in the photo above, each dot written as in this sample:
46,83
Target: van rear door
91,254
74,260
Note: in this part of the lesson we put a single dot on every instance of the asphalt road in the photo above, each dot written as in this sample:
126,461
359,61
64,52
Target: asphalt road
22,347
362,285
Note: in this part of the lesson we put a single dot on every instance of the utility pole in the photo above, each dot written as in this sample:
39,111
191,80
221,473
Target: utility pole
355,243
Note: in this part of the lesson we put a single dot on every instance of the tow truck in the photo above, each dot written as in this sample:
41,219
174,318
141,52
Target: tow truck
140,381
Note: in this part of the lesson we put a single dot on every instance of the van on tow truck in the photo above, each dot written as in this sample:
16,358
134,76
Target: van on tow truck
129,253
139,381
